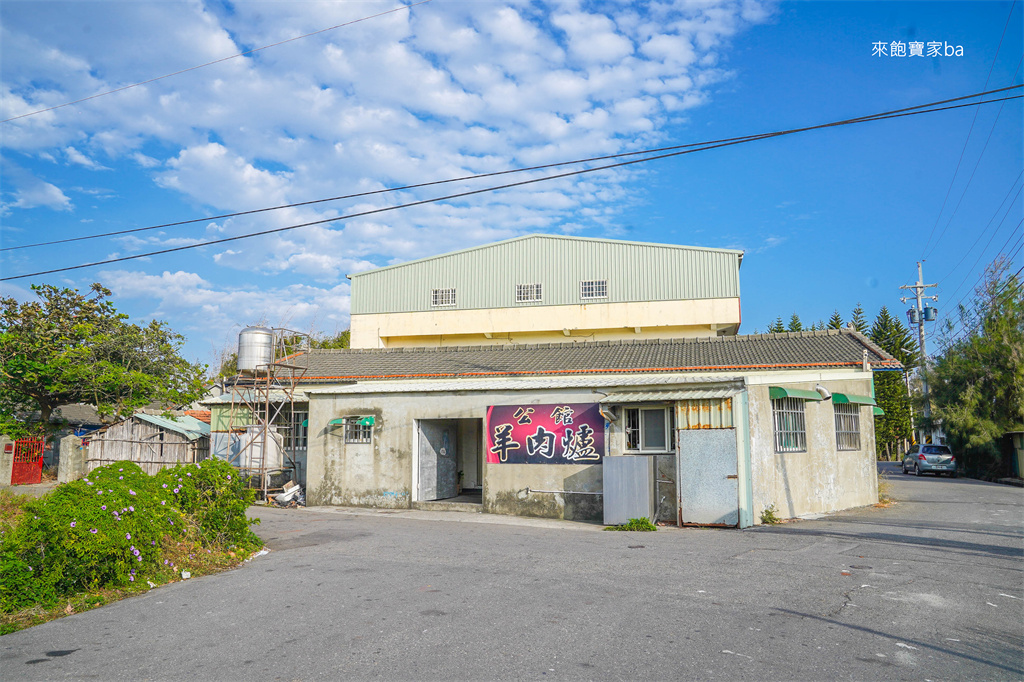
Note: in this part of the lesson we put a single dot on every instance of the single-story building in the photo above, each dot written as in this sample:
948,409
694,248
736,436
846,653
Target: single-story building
708,431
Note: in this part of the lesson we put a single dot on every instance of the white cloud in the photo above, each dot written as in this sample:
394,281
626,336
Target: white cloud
436,92
78,158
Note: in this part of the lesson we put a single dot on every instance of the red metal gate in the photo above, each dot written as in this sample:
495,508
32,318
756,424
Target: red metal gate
28,462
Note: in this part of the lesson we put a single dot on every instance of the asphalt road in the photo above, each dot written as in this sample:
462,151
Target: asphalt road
929,589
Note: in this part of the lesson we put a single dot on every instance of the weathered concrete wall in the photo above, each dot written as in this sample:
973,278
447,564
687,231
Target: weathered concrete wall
822,479
72,463
379,474
6,460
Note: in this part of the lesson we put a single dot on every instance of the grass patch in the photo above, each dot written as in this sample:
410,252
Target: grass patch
885,498
642,524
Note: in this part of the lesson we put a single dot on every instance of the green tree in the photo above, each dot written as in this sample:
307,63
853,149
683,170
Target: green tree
339,340
67,347
836,321
857,319
777,327
977,383
890,387
794,324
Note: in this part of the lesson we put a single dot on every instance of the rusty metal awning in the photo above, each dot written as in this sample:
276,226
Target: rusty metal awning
621,397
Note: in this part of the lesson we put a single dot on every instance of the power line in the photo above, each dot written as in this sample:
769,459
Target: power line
981,155
743,138
987,225
875,117
968,323
216,61
985,248
961,323
971,130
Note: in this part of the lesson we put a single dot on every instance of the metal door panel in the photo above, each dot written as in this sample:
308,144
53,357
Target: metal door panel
627,488
707,477
437,468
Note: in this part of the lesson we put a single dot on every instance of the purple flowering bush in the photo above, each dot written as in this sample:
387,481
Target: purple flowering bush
214,499
117,526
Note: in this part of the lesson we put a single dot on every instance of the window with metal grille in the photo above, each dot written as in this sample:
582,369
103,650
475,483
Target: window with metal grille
790,429
649,429
594,288
528,293
356,432
442,298
295,435
847,426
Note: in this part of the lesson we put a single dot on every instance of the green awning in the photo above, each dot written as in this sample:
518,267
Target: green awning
843,398
305,423
361,421
777,392
878,411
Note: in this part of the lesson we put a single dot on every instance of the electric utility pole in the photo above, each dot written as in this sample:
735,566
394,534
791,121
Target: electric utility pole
918,317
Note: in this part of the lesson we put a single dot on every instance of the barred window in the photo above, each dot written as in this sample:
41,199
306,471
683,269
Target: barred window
594,288
442,298
528,293
356,432
649,429
295,431
847,426
790,429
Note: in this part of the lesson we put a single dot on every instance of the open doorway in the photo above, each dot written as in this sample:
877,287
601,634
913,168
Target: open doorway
448,460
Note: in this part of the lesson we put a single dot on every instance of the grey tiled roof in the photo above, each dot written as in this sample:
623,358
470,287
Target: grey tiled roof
758,352
76,415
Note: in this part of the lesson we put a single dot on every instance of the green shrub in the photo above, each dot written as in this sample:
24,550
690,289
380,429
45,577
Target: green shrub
635,524
118,526
770,515
214,498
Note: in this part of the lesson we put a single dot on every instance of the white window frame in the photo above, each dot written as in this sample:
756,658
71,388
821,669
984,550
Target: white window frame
847,426
529,293
635,433
356,433
593,288
790,425
442,298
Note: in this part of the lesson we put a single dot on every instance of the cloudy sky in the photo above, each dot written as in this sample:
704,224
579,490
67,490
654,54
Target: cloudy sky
448,88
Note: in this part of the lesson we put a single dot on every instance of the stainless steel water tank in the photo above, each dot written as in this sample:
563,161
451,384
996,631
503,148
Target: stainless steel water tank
255,349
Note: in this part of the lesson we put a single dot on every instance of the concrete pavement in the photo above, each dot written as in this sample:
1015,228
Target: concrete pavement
929,589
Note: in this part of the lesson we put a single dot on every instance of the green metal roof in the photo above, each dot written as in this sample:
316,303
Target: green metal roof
190,427
843,398
777,392
486,276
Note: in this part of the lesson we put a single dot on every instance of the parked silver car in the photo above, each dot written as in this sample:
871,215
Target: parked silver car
930,459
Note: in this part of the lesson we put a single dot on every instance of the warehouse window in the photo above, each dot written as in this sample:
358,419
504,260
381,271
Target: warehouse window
442,298
528,293
355,432
594,288
790,430
648,429
847,426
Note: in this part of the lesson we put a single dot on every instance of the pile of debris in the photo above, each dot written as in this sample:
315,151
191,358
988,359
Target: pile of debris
292,496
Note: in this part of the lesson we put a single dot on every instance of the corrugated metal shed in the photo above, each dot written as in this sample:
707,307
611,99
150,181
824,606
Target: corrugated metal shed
486,276
667,395
187,426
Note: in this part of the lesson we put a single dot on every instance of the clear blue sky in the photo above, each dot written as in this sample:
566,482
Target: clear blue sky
827,218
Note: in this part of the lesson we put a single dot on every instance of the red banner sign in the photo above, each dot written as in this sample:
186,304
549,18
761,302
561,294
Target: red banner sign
545,434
